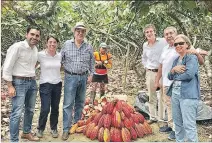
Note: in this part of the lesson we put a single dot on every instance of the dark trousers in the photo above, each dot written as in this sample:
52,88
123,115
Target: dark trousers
50,96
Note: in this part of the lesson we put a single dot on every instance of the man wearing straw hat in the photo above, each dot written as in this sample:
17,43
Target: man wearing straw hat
78,62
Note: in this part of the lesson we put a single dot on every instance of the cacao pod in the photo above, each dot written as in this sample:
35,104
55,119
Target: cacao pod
139,131
110,107
133,133
101,134
125,133
127,123
126,112
101,121
107,121
117,119
119,106
73,128
106,135
81,123
117,135
89,129
97,117
112,134
80,129
94,133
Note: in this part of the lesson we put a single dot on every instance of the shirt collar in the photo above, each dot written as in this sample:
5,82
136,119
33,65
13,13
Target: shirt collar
156,40
27,45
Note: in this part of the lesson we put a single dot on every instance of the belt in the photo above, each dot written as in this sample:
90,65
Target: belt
72,73
24,78
153,70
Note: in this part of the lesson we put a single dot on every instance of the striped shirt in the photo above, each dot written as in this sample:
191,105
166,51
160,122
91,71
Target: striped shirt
77,60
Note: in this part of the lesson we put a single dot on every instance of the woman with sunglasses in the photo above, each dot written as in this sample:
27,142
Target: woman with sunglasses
184,91
50,86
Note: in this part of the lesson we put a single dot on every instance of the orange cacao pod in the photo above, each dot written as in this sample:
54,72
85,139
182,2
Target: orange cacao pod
80,129
122,115
148,127
125,133
117,119
73,128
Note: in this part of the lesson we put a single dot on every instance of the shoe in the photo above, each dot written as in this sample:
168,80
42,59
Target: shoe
39,134
151,121
65,136
172,136
165,129
30,137
54,133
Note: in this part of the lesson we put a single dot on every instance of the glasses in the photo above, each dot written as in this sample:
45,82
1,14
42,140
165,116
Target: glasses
179,43
80,31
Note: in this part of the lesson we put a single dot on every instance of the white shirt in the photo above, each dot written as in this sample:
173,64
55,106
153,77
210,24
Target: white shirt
20,61
168,56
151,55
50,67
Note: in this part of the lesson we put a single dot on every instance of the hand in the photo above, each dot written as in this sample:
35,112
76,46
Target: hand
157,84
192,51
179,69
11,91
89,79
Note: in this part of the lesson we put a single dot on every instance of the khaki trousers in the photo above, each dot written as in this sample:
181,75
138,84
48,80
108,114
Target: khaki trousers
150,81
165,103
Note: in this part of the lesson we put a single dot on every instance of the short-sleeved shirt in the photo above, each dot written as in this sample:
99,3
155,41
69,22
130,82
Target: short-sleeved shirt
151,55
50,67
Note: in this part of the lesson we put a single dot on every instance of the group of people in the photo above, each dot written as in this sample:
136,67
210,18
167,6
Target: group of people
171,64
81,66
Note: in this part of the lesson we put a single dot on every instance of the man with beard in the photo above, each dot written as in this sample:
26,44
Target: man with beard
78,62
19,72
168,55
152,50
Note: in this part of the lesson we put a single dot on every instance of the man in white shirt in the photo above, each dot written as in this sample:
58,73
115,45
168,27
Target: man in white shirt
152,50
168,55
19,72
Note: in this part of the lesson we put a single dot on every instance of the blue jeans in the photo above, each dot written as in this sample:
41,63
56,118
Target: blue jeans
26,91
50,96
74,96
184,113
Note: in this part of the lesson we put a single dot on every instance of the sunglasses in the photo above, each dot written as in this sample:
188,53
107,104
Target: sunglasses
179,43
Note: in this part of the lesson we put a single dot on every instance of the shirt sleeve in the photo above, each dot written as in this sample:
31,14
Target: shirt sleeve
11,58
62,52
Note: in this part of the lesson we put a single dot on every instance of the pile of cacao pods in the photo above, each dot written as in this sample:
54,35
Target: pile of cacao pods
116,122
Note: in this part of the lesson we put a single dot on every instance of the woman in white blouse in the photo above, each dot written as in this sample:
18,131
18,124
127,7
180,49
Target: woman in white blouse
50,86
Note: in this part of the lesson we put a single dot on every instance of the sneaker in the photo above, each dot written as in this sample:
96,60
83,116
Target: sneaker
39,133
54,133
172,136
165,129
65,136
